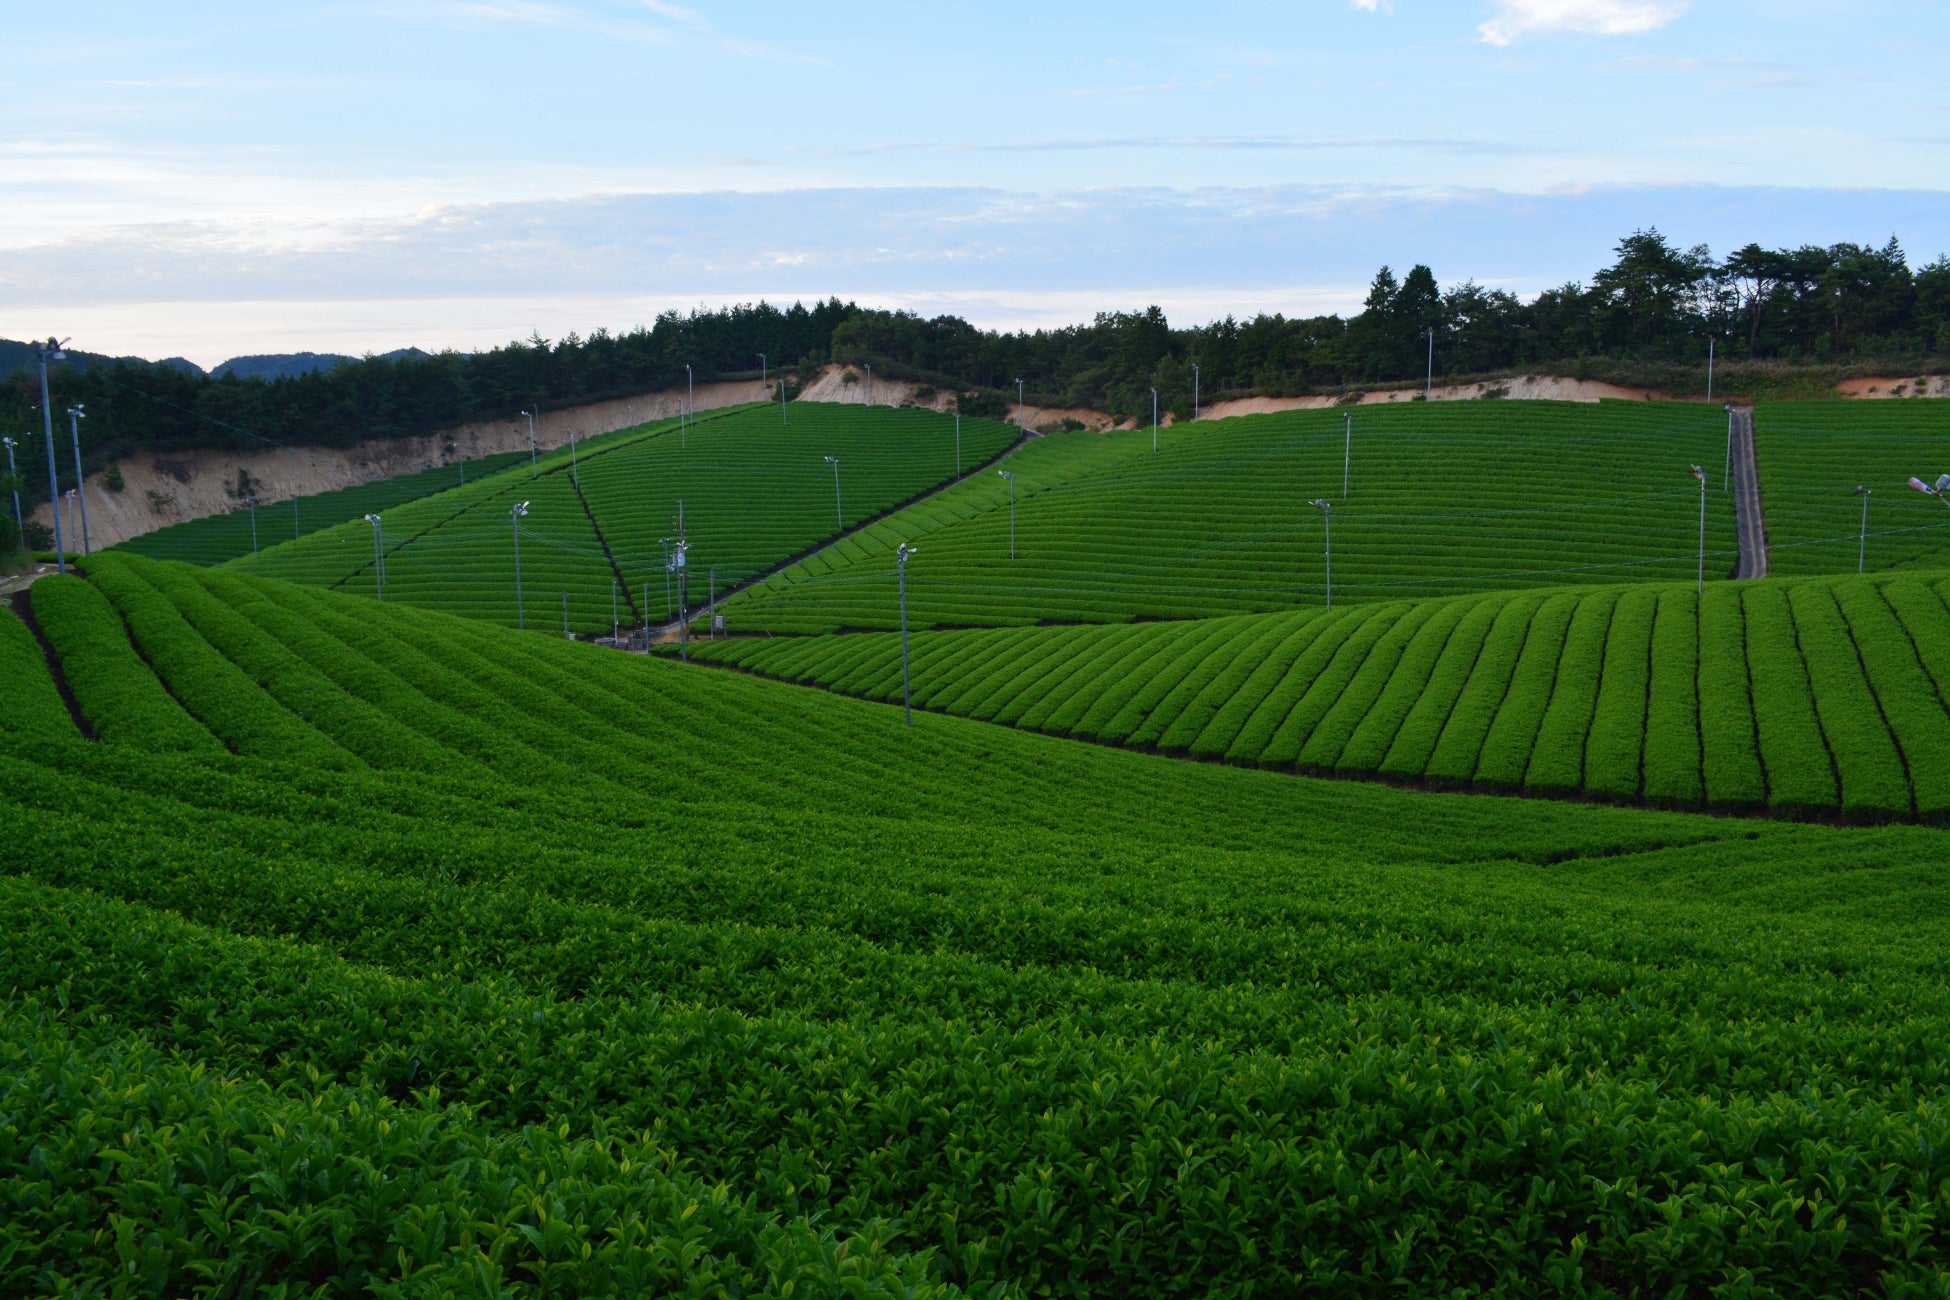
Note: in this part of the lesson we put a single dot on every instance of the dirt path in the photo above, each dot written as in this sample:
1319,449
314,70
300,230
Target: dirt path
1749,515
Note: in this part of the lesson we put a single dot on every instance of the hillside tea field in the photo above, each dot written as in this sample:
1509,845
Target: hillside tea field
757,491
215,539
359,949
1812,457
1442,499
1809,697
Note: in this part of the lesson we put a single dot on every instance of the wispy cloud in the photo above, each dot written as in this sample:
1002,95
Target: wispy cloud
1515,18
1372,6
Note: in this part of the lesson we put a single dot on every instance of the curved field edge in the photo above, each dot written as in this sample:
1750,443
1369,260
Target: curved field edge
1808,698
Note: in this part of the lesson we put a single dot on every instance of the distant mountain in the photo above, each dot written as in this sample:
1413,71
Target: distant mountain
288,365
19,356
278,365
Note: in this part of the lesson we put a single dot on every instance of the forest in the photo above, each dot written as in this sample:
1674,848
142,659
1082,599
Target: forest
1651,311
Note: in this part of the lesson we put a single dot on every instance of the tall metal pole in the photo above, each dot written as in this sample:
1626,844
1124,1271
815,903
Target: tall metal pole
51,351
764,373
869,385
1700,474
575,466
957,444
13,480
784,419
1154,419
711,614
1326,509
615,620
1862,552
565,616
1726,479
1195,405
1347,452
75,417
1021,419
252,503
838,513
532,454
521,611
683,607
1012,510
1709,368
690,403
1428,384
907,694
378,560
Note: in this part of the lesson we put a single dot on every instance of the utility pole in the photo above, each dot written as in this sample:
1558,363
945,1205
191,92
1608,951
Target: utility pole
907,694
1709,368
1862,552
690,404
1700,474
75,416
1347,452
514,516
378,560
838,513
13,481
869,385
1012,510
1726,479
52,351
1428,384
1327,524
1154,420
784,419
252,503
711,608
575,466
1021,419
1194,390
957,444
683,606
764,373
532,470
615,620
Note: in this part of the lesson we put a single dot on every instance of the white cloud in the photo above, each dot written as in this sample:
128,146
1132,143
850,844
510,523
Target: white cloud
1372,6
1516,18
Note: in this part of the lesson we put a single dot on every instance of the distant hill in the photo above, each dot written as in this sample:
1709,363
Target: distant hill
278,365
287,365
19,356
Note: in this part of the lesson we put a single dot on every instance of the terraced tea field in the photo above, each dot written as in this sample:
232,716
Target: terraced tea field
1809,696
1444,498
1812,457
756,489
216,539
372,950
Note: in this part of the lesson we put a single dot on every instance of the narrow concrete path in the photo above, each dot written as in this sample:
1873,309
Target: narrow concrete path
1750,519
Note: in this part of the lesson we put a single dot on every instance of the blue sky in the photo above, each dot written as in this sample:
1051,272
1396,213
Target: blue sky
221,178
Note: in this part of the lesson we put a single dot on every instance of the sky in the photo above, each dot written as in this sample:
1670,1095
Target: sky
209,180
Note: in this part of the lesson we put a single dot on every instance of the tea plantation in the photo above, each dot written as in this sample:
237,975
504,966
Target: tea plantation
215,539
757,491
357,948
1813,455
1443,498
1808,696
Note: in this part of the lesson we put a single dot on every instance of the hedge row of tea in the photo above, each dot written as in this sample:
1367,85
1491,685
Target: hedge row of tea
1813,455
215,539
1442,499
756,490
452,960
1809,696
